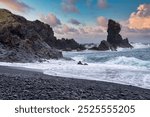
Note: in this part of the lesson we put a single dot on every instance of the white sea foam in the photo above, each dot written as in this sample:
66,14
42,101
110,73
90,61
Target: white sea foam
102,66
135,46
140,45
123,49
129,61
117,73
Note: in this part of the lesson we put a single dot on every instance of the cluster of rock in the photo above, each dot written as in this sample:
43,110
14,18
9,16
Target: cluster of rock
114,39
26,41
65,44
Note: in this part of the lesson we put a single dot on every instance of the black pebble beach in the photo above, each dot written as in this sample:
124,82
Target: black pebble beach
17,84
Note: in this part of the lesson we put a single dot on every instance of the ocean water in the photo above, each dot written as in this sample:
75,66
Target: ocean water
125,66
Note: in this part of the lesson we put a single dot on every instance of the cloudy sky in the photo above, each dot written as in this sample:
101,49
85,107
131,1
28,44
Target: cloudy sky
86,20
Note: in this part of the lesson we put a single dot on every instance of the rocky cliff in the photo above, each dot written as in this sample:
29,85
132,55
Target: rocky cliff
23,41
114,39
26,41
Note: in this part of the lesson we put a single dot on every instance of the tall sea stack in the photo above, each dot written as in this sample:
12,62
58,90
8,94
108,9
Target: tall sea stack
114,39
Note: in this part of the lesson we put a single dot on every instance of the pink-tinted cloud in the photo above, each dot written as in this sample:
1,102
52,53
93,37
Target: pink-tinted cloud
83,31
97,29
50,19
65,29
87,30
69,6
102,21
141,19
102,3
91,30
16,5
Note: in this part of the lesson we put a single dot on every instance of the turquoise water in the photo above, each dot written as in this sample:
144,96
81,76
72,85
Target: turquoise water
139,57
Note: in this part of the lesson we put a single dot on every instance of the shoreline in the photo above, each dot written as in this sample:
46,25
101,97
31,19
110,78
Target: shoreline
22,84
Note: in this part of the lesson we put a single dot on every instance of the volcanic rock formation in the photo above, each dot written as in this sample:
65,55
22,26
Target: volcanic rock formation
23,41
114,39
26,41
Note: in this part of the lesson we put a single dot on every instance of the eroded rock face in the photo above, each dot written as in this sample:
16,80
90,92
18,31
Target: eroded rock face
24,41
113,32
114,39
104,45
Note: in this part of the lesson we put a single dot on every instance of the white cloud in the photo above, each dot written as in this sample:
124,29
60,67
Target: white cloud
65,29
141,19
50,19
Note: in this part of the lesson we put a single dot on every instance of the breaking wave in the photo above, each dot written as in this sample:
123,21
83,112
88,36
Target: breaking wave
129,61
135,46
124,67
140,45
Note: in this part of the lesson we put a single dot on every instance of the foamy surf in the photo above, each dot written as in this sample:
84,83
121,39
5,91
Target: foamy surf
123,74
135,46
124,67
140,45
129,61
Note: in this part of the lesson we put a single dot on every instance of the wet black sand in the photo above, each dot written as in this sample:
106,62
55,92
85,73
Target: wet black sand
18,84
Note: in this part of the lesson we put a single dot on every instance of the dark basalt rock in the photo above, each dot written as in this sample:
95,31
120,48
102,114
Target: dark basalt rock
114,39
80,63
23,41
65,44
104,45
113,32
26,41
125,44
